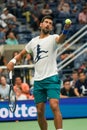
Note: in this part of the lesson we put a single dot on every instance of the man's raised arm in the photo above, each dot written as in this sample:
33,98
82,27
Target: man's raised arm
64,33
12,62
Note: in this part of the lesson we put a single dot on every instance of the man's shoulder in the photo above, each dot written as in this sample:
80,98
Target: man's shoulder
78,83
63,89
10,14
2,15
51,35
24,84
86,80
54,35
35,38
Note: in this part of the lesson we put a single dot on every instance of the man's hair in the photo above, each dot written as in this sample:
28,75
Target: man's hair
75,71
2,76
46,17
82,72
66,80
19,78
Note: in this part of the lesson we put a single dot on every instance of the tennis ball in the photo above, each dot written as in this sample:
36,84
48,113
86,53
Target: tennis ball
68,21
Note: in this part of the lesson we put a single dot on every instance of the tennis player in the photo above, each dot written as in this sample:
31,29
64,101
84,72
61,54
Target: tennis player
46,80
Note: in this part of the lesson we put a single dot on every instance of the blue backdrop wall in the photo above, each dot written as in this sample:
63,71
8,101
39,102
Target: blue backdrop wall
26,110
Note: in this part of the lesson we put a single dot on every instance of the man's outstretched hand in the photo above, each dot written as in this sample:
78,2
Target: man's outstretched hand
10,66
67,25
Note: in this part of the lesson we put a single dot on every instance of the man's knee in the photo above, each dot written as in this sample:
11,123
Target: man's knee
54,104
40,110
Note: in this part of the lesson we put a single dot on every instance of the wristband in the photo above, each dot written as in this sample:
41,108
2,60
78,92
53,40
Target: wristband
65,32
13,61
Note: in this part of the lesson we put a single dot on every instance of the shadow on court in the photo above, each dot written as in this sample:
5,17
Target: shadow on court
68,124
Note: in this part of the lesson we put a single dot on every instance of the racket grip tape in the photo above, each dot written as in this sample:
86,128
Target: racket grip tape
10,74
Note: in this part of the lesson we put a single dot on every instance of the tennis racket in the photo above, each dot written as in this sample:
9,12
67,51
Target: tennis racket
12,96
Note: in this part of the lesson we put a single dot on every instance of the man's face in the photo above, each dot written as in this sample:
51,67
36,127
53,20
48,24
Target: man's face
82,77
18,81
67,85
6,12
46,26
75,76
3,81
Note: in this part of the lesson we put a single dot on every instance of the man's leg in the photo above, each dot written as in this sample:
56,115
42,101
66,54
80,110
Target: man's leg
41,119
54,103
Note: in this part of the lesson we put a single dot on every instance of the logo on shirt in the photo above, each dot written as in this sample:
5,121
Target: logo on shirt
40,53
84,90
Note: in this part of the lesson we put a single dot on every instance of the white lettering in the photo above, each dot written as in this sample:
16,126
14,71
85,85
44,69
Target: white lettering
21,111
32,111
3,113
24,110
10,114
17,111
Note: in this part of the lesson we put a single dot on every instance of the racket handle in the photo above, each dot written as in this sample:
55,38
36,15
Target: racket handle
10,74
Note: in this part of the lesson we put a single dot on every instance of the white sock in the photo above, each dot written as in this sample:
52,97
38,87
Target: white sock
59,129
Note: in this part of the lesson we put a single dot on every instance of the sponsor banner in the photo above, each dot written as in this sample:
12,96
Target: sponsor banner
74,107
26,110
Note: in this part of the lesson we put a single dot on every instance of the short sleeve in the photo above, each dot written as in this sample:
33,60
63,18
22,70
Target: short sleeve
54,38
28,47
